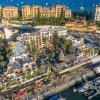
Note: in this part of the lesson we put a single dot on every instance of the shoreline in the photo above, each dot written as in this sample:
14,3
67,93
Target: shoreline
62,87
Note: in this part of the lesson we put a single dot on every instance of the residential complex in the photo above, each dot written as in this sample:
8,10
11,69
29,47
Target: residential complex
10,12
97,13
26,70
44,50
38,11
43,37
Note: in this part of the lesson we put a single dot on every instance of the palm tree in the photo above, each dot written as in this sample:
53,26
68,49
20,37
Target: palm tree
46,40
52,54
32,48
2,63
52,75
56,41
40,70
1,57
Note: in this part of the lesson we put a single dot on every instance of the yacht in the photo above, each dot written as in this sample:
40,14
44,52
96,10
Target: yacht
56,97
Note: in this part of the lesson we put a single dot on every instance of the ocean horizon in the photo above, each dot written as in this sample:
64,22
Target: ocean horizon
75,5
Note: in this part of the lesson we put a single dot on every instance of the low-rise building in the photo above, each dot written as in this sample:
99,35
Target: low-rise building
80,26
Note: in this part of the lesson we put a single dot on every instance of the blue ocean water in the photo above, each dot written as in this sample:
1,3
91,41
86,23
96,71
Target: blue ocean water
73,4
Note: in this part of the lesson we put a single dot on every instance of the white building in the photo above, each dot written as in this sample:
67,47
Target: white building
8,34
97,13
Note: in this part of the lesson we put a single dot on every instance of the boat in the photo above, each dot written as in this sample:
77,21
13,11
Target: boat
56,97
82,8
82,88
74,90
86,86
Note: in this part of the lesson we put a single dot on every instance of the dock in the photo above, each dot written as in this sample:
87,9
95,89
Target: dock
92,87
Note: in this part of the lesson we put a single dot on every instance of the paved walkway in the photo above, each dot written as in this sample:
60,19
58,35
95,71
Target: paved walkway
65,83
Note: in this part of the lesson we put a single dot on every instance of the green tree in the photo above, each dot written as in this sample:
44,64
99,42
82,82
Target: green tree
32,48
56,41
40,70
46,40
52,75
52,54
2,63
1,57
5,53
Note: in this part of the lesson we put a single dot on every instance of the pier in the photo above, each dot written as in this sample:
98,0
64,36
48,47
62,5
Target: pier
91,86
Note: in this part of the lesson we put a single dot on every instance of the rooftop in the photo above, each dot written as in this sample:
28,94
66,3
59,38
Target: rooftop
20,62
18,49
10,7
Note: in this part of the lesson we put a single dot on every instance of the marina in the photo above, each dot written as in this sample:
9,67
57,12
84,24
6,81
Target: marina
90,88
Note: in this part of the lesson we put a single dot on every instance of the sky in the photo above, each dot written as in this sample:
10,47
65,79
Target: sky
73,4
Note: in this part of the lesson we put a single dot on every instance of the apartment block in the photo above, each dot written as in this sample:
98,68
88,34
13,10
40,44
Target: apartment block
35,11
45,12
26,12
43,37
97,13
10,12
38,11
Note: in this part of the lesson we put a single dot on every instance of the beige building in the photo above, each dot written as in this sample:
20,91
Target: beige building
30,11
67,13
38,11
45,12
80,26
10,12
58,10
26,11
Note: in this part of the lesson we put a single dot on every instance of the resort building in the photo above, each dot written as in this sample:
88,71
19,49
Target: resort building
97,13
10,12
80,26
38,11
